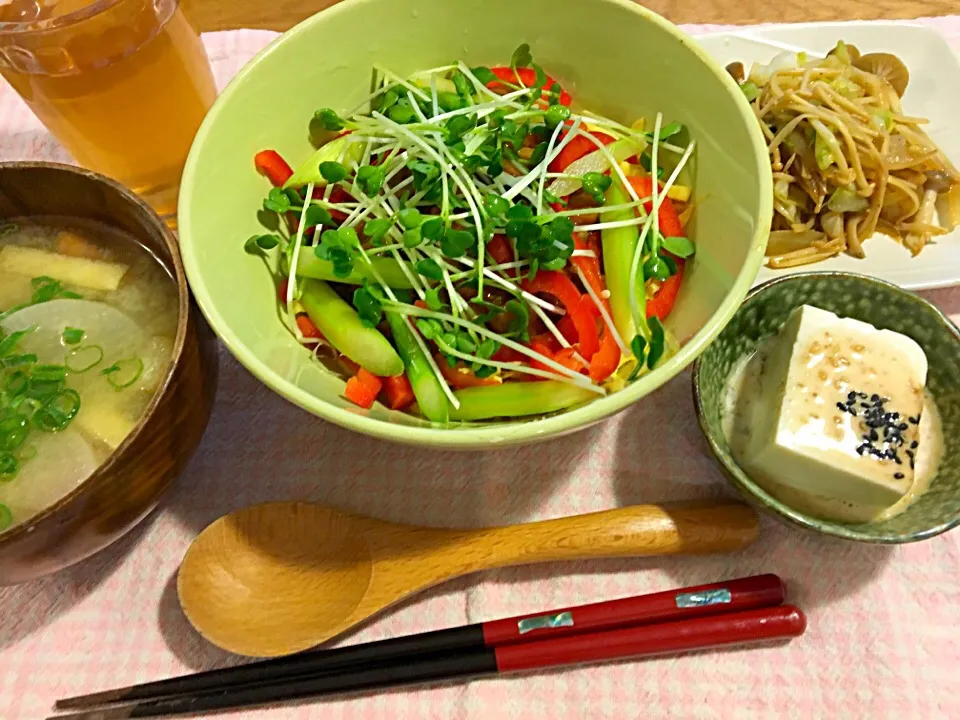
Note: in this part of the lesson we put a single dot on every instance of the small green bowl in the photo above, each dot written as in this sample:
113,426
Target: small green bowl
632,63
885,306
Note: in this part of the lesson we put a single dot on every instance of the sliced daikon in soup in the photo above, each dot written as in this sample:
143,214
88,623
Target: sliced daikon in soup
62,461
93,325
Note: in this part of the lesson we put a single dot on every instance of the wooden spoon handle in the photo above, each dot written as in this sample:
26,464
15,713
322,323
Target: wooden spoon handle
631,531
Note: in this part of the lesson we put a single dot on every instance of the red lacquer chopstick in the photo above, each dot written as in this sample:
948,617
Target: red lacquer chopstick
740,628
685,603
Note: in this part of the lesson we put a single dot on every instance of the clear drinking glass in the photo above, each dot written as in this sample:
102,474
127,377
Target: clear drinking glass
122,84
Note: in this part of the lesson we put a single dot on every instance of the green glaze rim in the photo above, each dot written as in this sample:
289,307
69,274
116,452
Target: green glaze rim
508,433
752,491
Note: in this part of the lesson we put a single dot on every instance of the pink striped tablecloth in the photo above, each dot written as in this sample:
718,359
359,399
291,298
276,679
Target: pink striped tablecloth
883,638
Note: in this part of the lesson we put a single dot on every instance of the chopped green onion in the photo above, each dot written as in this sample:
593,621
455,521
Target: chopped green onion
124,373
48,373
6,517
58,411
18,360
9,343
13,431
73,336
83,359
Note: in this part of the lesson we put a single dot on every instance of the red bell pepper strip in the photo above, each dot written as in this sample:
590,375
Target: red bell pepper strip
562,288
577,148
274,167
562,356
607,359
539,347
282,291
307,328
528,77
589,266
670,226
363,388
339,195
500,250
398,392
568,329
506,354
663,300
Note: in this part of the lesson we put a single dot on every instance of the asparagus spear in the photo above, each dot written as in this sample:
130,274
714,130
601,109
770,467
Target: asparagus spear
517,399
619,244
310,266
341,325
426,387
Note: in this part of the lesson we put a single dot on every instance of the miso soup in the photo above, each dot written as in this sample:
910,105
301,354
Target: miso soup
88,319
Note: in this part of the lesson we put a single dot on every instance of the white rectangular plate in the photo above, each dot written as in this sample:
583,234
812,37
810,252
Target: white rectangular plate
933,93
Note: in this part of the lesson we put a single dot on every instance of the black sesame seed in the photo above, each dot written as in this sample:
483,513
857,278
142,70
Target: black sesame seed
874,436
851,395
898,476
914,444
875,397
914,420
841,407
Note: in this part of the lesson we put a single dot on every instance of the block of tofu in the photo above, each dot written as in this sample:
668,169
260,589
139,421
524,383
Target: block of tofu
837,410
104,422
76,271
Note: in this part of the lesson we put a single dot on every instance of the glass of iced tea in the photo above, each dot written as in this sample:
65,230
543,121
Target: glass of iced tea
123,84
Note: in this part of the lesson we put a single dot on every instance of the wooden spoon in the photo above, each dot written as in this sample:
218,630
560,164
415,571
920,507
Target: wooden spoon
279,578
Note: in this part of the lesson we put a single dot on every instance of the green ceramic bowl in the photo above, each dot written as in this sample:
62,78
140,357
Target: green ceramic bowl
631,63
885,306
